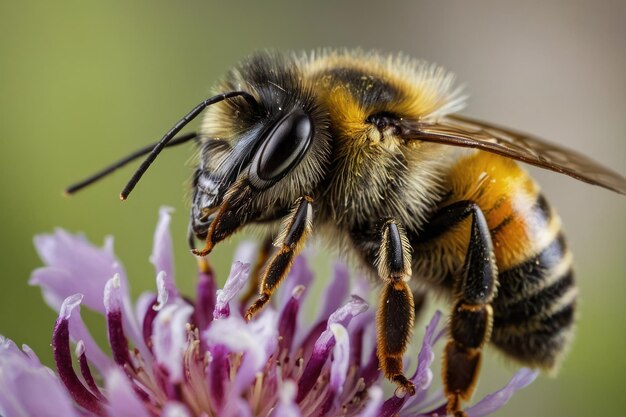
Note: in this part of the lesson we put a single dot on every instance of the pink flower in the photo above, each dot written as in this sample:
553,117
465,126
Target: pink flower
172,356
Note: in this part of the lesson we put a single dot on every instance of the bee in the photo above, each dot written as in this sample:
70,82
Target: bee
368,151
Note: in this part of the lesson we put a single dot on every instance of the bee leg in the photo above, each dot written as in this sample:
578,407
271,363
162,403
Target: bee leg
472,315
231,215
255,275
295,230
394,319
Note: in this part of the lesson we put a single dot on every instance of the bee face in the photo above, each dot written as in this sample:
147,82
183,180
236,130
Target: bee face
280,147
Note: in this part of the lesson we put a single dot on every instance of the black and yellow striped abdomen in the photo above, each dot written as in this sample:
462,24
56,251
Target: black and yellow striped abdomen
535,303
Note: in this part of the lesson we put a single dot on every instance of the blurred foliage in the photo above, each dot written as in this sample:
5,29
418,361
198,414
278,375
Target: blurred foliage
85,82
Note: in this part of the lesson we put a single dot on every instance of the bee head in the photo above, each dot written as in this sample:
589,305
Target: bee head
279,148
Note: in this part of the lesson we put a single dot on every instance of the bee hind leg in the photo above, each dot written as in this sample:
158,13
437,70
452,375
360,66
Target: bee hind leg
294,231
471,320
396,311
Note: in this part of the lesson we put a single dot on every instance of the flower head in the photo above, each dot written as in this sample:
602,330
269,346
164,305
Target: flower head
172,356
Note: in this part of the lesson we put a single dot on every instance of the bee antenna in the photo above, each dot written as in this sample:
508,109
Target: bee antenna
174,130
122,162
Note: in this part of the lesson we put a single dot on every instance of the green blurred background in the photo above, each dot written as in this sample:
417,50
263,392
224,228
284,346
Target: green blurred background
85,82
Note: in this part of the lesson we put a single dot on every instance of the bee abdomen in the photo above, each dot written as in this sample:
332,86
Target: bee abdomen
535,308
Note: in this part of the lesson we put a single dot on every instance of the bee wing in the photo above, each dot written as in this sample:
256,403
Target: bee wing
469,133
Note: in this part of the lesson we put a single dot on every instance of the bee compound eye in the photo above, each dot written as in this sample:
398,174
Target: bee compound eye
284,147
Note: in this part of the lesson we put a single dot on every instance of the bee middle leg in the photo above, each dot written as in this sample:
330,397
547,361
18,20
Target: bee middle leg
294,231
396,310
471,320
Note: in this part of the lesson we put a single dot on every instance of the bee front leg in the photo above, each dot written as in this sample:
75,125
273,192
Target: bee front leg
472,315
396,310
294,231
232,214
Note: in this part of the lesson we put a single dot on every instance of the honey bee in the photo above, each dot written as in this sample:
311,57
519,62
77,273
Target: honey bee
367,150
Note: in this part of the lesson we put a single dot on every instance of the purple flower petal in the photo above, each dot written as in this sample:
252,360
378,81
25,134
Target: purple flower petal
74,265
325,343
27,388
163,293
146,311
63,358
288,319
494,401
78,331
423,376
257,340
123,402
299,275
308,341
372,409
205,300
436,412
343,315
162,252
338,366
114,318
26,350
218,378
246,253
341,357
371,371
170,338
173,409
362,287
113,295
238,408
85,371
357,329
287,407
236,280
392,406
144,303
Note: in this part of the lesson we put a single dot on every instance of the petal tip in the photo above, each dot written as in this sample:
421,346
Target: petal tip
69,304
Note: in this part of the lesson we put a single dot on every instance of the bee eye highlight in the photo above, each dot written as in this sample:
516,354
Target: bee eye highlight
285,145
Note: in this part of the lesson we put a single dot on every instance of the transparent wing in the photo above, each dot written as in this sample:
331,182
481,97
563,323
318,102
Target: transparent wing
469,133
